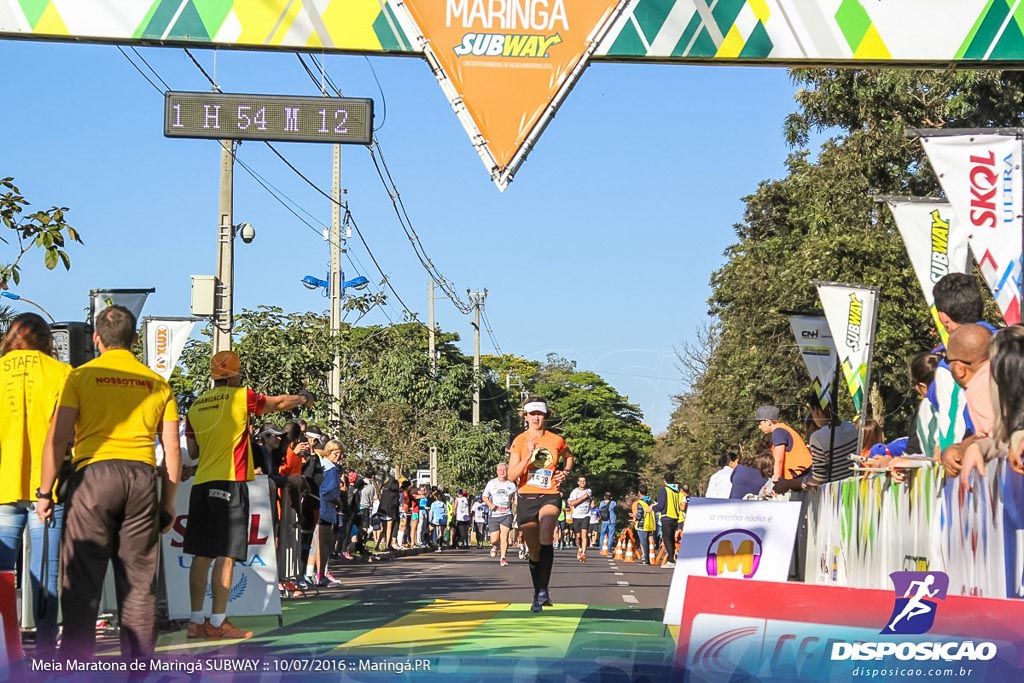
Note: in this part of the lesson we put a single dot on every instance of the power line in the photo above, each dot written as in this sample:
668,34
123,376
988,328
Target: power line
490,332
148,65
137,68
199,66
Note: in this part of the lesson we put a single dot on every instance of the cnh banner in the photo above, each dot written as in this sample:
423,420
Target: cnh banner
814,339
850,310
165,340
485,51
936,243
981,176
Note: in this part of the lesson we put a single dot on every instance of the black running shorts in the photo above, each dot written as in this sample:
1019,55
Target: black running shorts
218,520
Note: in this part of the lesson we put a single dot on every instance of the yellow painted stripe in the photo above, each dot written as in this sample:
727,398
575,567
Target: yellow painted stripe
732,45
286,23
761,11
872,46
524,634
51,22
350,23
434,628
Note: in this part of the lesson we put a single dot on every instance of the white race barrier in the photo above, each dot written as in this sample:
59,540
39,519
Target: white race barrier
861,529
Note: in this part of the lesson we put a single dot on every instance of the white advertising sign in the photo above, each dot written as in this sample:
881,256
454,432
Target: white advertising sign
736,539
981,177
850,311
814,339
253,583
165,340
936,243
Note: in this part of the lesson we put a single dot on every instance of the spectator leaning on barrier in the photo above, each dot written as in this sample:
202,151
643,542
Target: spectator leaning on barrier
967,357
831,445
113,407
751,475
217,430
720,482
790,453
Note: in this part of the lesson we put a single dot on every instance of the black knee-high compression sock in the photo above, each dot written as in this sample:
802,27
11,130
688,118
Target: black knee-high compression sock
535,574
544,564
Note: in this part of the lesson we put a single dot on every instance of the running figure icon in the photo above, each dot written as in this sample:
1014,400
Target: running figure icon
916,606
917,598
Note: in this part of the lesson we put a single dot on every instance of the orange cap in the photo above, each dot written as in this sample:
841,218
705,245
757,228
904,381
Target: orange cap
225,365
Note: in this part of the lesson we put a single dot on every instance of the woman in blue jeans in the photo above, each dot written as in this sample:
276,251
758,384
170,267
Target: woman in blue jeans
30,384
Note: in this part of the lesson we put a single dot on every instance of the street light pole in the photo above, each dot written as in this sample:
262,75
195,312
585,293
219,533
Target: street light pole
336,279
17,297
223,314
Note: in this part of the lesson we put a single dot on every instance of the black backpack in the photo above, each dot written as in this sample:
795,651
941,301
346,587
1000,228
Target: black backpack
605,512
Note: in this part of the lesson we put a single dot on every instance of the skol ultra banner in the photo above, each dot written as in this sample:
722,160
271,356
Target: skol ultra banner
486,51
165,340
981,176
935,241
253,583
850,311
814,340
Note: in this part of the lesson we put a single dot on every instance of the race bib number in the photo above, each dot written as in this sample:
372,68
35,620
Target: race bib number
502,510
541,478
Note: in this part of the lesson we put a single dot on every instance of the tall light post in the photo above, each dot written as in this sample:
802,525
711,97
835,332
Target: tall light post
17,297
336,294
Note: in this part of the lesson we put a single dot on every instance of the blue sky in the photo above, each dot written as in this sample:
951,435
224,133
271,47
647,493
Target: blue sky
599,251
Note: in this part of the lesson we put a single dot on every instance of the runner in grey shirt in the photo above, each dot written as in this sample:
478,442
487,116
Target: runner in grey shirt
498,496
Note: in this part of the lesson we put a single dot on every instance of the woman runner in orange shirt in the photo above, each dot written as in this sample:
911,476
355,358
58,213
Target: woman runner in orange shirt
539,462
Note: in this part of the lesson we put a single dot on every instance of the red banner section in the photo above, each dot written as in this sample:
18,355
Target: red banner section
9,616
802,632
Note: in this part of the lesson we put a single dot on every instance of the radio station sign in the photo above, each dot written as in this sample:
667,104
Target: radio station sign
281,118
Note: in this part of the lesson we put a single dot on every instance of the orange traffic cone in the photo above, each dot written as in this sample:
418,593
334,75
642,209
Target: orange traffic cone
629,551
620,548
662,552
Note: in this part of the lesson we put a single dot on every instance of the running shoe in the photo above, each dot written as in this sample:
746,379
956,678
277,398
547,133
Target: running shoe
544,596
347,555
227,630
494,551
583,557
504,562
538,604
668,565
197,630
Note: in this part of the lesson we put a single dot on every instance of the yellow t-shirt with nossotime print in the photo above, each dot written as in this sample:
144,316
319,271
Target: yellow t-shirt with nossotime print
121,404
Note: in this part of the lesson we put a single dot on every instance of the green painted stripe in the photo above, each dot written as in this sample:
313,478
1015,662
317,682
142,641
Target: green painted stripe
853,21
389,39
651,17
212,13
987,30
1011,43
33,10
145,22
628,42
725,13
641,629
759,44
159,18
684,40
558,625
189,25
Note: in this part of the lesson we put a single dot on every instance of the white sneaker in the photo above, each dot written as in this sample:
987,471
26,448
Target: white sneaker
494,551
668,565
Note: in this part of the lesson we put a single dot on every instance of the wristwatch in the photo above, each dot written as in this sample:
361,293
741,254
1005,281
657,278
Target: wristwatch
40,494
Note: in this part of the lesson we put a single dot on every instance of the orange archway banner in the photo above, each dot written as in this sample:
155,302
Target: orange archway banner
506,64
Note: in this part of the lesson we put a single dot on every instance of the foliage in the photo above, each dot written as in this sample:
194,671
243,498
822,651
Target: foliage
468,455
46,230
603,429
820,222
7,314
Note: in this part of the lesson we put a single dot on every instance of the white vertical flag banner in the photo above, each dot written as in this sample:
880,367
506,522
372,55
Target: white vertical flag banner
132,299
981,177
165,340
814,339
936,243
850,310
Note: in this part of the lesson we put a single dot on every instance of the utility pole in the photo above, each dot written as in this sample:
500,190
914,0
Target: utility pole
478,301
223,311
433,465
431,350
336,281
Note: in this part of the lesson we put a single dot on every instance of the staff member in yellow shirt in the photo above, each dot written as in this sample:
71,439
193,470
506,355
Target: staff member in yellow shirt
539,461
114,406
30,384
217,432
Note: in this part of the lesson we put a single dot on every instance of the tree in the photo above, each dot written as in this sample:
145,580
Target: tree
46,230
603,429
820,222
